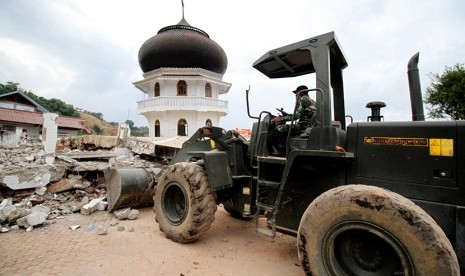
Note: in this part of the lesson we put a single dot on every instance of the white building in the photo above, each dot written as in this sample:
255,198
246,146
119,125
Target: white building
183,70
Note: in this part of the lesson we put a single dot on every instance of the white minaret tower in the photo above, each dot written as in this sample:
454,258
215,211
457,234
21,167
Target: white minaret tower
183,70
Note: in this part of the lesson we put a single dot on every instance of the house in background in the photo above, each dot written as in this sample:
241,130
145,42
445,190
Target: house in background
22,118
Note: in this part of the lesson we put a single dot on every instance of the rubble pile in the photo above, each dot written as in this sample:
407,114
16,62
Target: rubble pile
33,193
23,155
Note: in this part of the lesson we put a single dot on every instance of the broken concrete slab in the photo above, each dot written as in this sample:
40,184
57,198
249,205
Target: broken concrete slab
38,215
156,146
91,141
15,182
30,220
41,209
28,177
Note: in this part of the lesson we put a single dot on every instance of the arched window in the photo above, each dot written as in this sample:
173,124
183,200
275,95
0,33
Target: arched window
182,127
157,128
208,122
157,89
208,90
182,88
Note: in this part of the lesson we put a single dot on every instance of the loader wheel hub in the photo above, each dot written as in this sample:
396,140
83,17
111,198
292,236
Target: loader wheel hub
175,203
366,253
360,248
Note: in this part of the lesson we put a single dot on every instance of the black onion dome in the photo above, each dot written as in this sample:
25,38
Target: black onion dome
182,46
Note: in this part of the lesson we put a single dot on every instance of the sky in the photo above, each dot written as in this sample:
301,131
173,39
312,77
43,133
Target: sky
85,52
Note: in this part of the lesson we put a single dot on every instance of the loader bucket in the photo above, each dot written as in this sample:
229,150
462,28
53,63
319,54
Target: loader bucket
131,187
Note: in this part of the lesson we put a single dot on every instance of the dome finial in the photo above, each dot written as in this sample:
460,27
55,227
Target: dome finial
182,3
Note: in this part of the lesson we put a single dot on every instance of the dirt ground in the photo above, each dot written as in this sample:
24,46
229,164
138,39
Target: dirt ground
230,247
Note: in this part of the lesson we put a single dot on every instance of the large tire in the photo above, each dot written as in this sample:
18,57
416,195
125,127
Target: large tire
365,230
184,204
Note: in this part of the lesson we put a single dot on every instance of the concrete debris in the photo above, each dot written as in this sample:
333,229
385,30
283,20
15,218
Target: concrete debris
88,142
102,230
122,214
114,222
94,205
14,227
38,215
4,229
40,190
34,193
14,182
2,217
134,214
74,227
13,213
5,202
156,146
30,228
102,206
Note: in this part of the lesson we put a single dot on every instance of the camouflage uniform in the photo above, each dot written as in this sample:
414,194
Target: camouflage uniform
303,116
302,120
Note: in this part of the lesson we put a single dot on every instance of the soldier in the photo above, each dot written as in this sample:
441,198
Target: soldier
303,118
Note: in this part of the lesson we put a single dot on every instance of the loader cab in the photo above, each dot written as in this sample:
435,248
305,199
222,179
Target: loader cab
323,56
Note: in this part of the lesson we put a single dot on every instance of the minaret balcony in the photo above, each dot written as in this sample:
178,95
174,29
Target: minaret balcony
182,103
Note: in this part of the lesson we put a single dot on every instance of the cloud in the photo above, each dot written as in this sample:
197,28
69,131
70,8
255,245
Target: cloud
85,52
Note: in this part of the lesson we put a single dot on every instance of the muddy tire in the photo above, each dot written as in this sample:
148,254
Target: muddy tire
184,204
365,230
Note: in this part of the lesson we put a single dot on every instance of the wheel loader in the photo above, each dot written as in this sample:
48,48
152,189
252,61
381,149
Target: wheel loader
365,198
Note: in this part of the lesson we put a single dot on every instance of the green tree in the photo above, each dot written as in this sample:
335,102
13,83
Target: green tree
97,129
55,105
130,124
446,94
8,87
140,131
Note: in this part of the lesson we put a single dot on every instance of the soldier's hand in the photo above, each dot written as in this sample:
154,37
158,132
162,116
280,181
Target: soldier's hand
276,120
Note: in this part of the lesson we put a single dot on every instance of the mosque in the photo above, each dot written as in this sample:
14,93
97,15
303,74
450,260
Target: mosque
183,72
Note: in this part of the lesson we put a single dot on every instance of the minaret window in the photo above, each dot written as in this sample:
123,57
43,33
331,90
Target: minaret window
208,90
182,127
182,88
157,128
157,89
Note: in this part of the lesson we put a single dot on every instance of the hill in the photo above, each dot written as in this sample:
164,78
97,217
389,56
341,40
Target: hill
106,128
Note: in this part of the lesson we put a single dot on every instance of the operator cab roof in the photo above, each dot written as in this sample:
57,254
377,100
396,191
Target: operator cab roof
296,59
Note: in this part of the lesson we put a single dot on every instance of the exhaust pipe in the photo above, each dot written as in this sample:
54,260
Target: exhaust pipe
416,99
